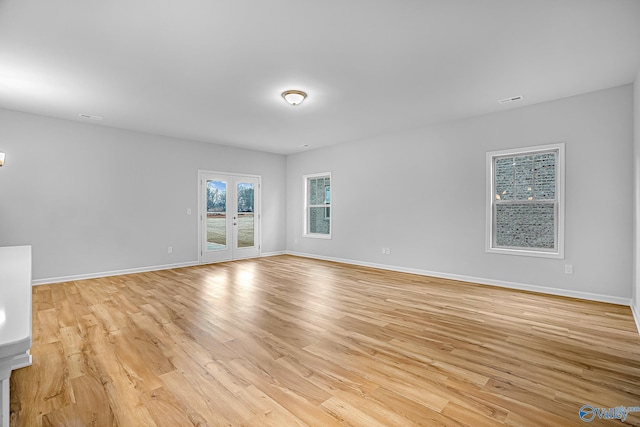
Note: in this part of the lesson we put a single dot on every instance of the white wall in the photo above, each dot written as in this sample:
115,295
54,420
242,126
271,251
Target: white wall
422,194
636,211
92,199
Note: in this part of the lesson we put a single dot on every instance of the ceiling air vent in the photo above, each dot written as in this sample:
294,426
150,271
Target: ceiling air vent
90,117
512,99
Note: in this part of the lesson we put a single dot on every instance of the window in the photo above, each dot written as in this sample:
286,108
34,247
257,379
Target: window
317,196
525,201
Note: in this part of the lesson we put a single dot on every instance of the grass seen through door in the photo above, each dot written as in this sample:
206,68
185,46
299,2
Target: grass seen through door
217,233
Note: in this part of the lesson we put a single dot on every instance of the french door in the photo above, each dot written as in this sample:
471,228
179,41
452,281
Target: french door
229,216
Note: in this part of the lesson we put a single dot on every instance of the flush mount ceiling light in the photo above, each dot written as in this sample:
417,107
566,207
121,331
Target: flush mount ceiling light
294,97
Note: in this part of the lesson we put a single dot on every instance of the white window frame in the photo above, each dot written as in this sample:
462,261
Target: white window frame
558,251
307,206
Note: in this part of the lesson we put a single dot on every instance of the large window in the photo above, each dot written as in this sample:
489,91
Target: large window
317,198
525,201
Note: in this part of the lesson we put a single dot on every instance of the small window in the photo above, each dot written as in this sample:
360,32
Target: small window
317,198
525,201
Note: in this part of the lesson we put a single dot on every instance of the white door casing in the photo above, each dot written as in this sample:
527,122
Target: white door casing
229,223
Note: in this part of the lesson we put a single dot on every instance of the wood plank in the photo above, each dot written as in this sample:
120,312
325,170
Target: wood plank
91,406
308,342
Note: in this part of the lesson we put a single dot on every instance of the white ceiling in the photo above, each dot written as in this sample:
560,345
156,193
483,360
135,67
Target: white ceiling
213,70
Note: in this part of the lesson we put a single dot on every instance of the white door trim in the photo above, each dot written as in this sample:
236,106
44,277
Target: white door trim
200,218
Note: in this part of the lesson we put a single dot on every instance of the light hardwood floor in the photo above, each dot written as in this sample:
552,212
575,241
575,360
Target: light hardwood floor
292,341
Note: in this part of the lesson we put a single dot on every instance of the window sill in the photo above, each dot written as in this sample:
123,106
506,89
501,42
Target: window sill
318,236
525,252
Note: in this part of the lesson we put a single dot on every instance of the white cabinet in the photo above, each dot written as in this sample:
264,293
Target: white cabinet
15,317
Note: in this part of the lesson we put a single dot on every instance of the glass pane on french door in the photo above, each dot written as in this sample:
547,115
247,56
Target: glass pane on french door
246,214
229,216
216,215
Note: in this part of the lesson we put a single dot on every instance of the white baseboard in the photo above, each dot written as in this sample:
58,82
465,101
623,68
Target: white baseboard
635,309
50,280
267,254
480,280
503,284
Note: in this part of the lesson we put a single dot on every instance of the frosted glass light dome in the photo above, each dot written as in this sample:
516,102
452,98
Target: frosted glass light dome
294,97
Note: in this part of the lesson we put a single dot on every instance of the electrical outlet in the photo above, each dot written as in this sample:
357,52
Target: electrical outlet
188,211
170,250
568,269
387,251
